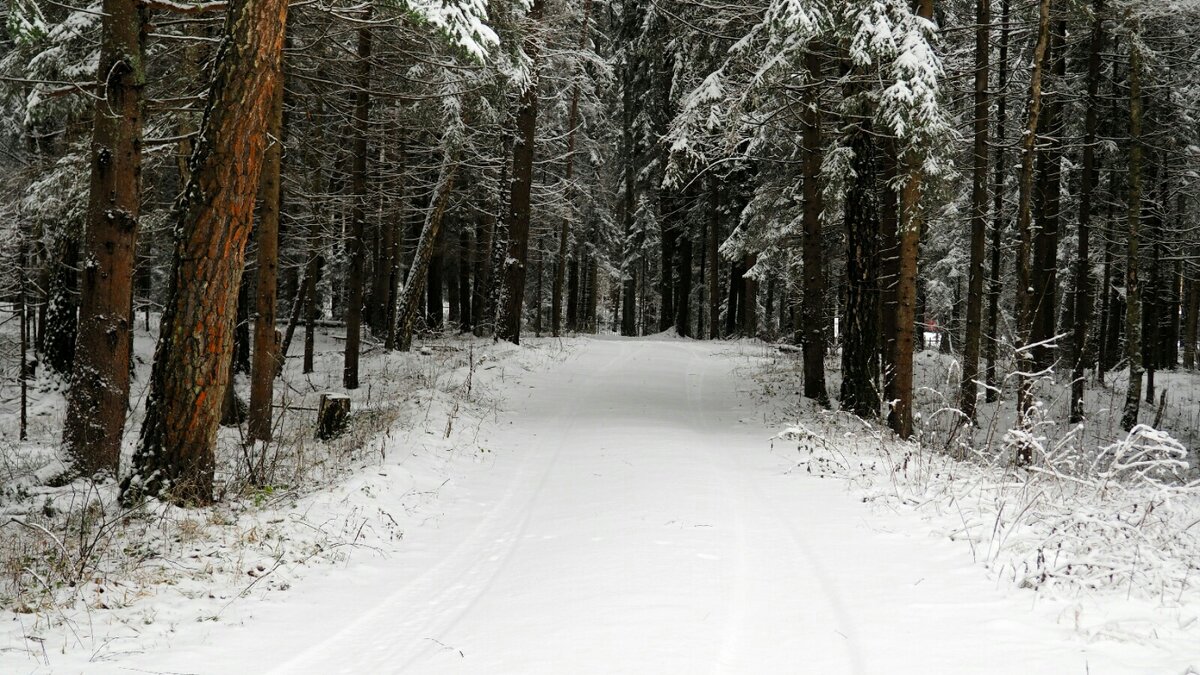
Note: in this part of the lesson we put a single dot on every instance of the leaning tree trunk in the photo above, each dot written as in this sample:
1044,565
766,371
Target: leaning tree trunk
418,274
99,393
175,454
509,325
1083,273
969,392
358,185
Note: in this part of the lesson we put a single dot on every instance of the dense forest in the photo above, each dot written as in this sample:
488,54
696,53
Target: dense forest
1011,183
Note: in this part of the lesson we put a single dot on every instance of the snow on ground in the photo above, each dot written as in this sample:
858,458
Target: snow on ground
628,508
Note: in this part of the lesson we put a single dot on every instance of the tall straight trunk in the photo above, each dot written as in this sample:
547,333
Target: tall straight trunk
175,454
979,205
452,296
418,274
683,307
860,352
1049,206
813,308
265,364
99,395
573,290
593,296
466,258
749,298
509,325
60,336
735,305
666,284
23,347
992,344
889,264
434,309
713,261
482,291
1150,309
538,290
564,233
1133,304
312,309
355,246
1025,226
1087,184
909,244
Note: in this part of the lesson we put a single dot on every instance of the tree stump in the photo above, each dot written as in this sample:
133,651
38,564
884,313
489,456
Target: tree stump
332,415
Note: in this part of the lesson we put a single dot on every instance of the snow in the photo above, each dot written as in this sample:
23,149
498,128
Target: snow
628,512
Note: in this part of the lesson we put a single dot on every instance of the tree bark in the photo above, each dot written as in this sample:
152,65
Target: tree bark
509,325
175,454
358,186
1025,309
418,274
1133,305
813,308
979,205
1083,273
860,346
99,395
265,364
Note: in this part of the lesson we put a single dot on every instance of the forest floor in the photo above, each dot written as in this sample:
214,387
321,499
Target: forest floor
630,506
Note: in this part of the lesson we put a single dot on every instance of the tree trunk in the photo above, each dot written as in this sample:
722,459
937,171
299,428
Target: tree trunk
713,262
358,186
99,395
749,298
1025,309
860,352
509,325
60,335
900,417
465,259
175,454
265,363
418,274
683,306
1083,272
813,308
1049,206
1133,305
979,204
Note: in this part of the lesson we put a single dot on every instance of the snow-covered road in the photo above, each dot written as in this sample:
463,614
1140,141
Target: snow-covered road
634,518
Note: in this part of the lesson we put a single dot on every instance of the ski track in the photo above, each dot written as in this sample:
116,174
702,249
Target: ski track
635,520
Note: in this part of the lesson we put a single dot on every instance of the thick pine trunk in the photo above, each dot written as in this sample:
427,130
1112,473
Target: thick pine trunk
860,353
514,267
175,454
99,395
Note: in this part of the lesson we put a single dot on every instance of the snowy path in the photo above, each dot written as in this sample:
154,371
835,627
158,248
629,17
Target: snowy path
635,520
